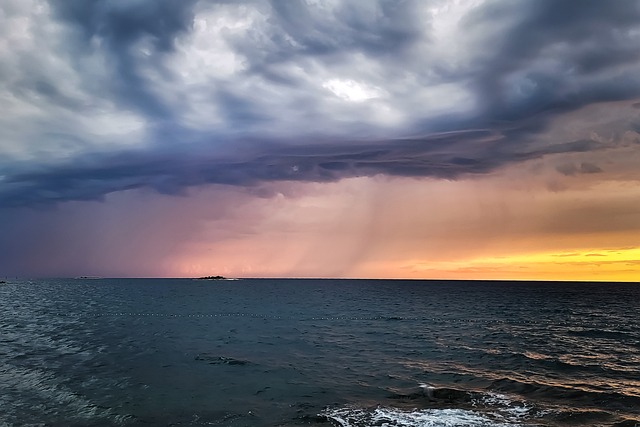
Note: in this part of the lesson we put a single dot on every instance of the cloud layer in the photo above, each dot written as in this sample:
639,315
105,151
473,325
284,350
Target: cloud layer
327,121
107,95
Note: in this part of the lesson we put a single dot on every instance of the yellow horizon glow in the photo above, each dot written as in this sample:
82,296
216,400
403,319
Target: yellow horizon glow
602,265
608,265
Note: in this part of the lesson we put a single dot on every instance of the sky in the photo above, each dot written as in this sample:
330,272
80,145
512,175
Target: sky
443,139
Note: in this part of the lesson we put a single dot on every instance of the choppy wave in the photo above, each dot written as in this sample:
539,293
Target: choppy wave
275,353
351,416
37,395
392,417
463,408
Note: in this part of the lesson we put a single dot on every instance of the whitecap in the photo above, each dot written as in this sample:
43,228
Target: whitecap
391,417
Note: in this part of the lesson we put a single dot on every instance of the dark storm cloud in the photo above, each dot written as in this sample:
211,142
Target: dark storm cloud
522,65
348,28
447,156
122,23
556,54
118,26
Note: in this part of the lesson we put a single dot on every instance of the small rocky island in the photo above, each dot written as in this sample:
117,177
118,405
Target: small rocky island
212,278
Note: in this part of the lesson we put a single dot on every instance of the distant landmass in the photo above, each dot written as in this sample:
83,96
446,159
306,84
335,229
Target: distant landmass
212,278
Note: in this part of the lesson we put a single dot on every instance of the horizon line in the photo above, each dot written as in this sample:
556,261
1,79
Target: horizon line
316,278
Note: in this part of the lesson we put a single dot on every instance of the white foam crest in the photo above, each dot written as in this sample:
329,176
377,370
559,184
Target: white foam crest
390,417
510,408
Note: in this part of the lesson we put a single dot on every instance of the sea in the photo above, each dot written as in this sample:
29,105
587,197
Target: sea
291,352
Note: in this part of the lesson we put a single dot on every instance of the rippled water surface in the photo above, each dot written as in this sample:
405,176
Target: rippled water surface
144,352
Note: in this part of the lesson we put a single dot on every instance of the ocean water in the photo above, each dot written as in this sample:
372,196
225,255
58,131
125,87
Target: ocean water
146,352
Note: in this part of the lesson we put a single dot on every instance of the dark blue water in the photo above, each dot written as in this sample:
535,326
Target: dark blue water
318,352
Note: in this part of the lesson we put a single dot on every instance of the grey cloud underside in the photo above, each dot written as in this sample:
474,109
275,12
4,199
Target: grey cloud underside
120,25
526,63
447,156
594,42
567,54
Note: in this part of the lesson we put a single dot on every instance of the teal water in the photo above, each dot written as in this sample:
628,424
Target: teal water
144,352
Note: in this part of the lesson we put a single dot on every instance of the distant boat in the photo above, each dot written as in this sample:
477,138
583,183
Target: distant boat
213,278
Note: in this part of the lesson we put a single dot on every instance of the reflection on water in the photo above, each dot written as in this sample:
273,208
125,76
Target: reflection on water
318,352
